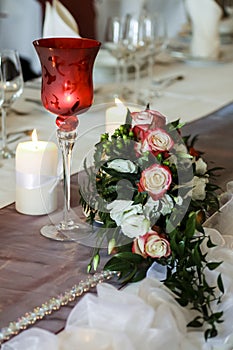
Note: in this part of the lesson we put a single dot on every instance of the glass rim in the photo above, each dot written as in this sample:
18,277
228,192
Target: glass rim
61,43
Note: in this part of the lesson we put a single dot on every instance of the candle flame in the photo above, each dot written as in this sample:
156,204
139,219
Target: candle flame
118,102
34,136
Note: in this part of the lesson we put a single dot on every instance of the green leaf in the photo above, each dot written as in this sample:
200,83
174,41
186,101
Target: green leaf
96,260
191,225
210,333
210,244
128,119
220,283
130,257
197,322
115,264
213,265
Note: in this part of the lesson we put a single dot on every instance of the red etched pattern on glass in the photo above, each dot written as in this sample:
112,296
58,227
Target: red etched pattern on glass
67,86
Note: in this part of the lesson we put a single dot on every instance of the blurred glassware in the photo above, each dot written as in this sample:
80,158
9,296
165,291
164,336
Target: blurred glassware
1,87
12,84
115,45
228,6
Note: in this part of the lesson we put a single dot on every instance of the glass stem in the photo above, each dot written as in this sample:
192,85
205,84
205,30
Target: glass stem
66,140
4,138
118,72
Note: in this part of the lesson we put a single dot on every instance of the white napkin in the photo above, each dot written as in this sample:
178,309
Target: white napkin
205,18
58,21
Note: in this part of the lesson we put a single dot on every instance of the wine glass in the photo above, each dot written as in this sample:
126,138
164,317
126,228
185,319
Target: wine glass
12,83
1,87
67,90
116,45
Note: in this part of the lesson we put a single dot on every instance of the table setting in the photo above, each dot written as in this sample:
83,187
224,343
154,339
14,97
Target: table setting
103,200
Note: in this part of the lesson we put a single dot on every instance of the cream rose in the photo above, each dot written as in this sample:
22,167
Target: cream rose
156,180
148,117
153,245
157,141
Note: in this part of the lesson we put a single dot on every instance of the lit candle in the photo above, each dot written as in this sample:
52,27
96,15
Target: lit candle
116,115
36,177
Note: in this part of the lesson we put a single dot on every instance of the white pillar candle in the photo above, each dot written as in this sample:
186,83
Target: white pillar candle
116,115
36,177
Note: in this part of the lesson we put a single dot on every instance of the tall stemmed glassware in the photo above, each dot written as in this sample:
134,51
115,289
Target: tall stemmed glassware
114,43
1,87
12,83
67,90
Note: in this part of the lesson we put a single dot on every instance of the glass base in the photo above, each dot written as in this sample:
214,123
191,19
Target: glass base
75,233
7,153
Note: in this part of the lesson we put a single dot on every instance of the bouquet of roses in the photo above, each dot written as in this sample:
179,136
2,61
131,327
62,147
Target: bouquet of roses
147,195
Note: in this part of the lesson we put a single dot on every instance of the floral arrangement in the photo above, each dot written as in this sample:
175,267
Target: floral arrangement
147,195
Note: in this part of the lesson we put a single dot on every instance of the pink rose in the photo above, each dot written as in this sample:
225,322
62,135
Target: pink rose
153,245
150,118
156,141
156,180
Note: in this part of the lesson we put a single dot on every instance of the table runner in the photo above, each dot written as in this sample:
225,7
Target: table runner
34,268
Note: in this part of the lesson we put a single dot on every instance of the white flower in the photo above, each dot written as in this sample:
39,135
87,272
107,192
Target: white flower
163,206
181,152
178,200
130,217
166,205
123,166
199,184
121,209
201,166
135,225
150,207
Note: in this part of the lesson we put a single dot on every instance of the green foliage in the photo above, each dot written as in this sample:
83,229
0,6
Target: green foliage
187,265
185,273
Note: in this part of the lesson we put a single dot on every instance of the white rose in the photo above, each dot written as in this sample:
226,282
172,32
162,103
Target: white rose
121,209
152,244
117,209
156,180
123,166
199,184
148,117
134,225
158,140
201,166
163,206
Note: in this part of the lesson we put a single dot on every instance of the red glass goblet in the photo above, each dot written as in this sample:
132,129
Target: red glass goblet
67,90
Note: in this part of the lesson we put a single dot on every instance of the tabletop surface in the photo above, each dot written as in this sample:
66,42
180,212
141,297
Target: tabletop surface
34,269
